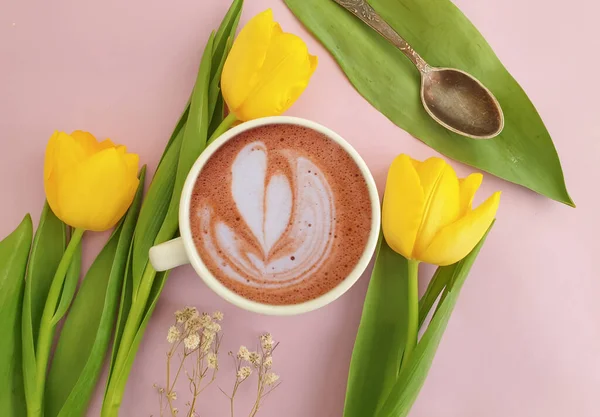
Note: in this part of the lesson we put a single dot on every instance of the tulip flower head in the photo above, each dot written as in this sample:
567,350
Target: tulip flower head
89,184
427,211
266,70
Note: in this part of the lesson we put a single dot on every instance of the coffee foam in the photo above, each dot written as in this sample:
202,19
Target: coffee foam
280,214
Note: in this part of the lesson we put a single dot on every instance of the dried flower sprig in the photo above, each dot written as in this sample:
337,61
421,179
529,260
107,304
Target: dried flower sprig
196,337
199,333
247,363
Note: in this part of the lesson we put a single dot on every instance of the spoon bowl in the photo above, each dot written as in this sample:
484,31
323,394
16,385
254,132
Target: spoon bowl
453,98
460,103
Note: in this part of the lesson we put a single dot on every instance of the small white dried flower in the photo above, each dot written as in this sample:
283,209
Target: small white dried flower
212,361
243,353
254,358
173,335
266,341
172,395
186,314
175,410
214,327
193,324
205,320
244,372
268,362
271,378
190,311
208,334
218,316
179,316
192,341
207,340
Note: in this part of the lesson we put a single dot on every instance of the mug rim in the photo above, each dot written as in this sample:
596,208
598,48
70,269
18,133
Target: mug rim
221,289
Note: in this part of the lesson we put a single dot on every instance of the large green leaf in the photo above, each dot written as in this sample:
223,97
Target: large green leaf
14,252
413,374
193,142
154,208
86,334
160,192
381,335
159,215
523,153
118,377
226,32
46,252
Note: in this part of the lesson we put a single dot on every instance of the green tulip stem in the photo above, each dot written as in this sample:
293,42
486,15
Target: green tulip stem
413,310
46,333
223,127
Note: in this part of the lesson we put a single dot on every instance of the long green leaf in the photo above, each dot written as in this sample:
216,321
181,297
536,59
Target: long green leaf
14,252
218,115
412,377
226,31
86,334
203,103
178,127
154,209
46,252
523,153
119,376
124,308
214,90
161,188
135,309
193,143
69,287
381,335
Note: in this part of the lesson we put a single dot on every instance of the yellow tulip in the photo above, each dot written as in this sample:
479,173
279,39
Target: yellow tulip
427,211
89,184
266,70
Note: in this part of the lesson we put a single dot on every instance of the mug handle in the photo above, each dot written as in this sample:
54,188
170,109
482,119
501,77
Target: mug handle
168,255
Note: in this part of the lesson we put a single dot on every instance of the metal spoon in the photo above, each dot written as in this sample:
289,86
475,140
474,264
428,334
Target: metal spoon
453,98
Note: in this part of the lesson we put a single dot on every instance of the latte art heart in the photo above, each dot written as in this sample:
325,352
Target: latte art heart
291,229
280,214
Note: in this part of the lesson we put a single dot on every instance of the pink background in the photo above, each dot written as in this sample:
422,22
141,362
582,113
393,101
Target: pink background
524,339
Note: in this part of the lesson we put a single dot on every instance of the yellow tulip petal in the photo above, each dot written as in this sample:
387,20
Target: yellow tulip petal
240,72
441,192
468,188
132,161
456,240
403,206
281,80
107,143
314,62
62,153
96,194
87,141
49,169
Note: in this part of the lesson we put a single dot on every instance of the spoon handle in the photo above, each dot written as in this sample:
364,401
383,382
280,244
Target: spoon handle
362,10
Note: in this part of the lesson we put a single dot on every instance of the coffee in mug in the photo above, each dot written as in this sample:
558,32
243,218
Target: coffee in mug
280,214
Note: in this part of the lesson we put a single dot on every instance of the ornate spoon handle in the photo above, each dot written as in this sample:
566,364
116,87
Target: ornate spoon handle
362,10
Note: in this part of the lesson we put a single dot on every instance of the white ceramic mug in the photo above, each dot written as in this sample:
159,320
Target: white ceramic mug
182,250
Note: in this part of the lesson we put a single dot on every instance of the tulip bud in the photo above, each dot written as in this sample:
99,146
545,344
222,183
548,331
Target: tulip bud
427,211
89,184
266,70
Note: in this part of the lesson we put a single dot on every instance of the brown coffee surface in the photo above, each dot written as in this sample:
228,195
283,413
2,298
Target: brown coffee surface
280,214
